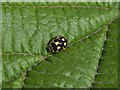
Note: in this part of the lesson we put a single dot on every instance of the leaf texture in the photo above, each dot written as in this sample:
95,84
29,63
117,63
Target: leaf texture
17,83
74,68
107,75
27,28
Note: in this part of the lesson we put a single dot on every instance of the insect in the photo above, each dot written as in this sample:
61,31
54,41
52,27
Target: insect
56,44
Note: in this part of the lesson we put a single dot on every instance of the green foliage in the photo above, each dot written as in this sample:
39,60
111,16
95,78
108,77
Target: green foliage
17,83
69,70
108,68
27,28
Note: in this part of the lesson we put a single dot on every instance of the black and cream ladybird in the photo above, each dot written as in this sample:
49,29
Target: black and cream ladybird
57,44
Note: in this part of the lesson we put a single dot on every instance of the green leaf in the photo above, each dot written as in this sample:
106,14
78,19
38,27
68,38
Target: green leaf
16,64
107,75
69,70
17,83
27,29
0,45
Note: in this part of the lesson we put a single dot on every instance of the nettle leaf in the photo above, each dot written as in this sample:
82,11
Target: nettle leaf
27,29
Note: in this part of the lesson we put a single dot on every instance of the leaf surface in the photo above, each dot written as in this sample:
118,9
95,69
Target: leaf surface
107,75
74,68
27,29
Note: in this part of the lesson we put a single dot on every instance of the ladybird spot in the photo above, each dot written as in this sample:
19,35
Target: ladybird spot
56,43
63,39
50,45
58,37
58,47
65,43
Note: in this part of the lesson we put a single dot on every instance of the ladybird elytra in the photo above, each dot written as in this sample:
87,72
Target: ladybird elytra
57,44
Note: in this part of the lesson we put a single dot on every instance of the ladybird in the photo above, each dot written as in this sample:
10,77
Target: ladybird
57,44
